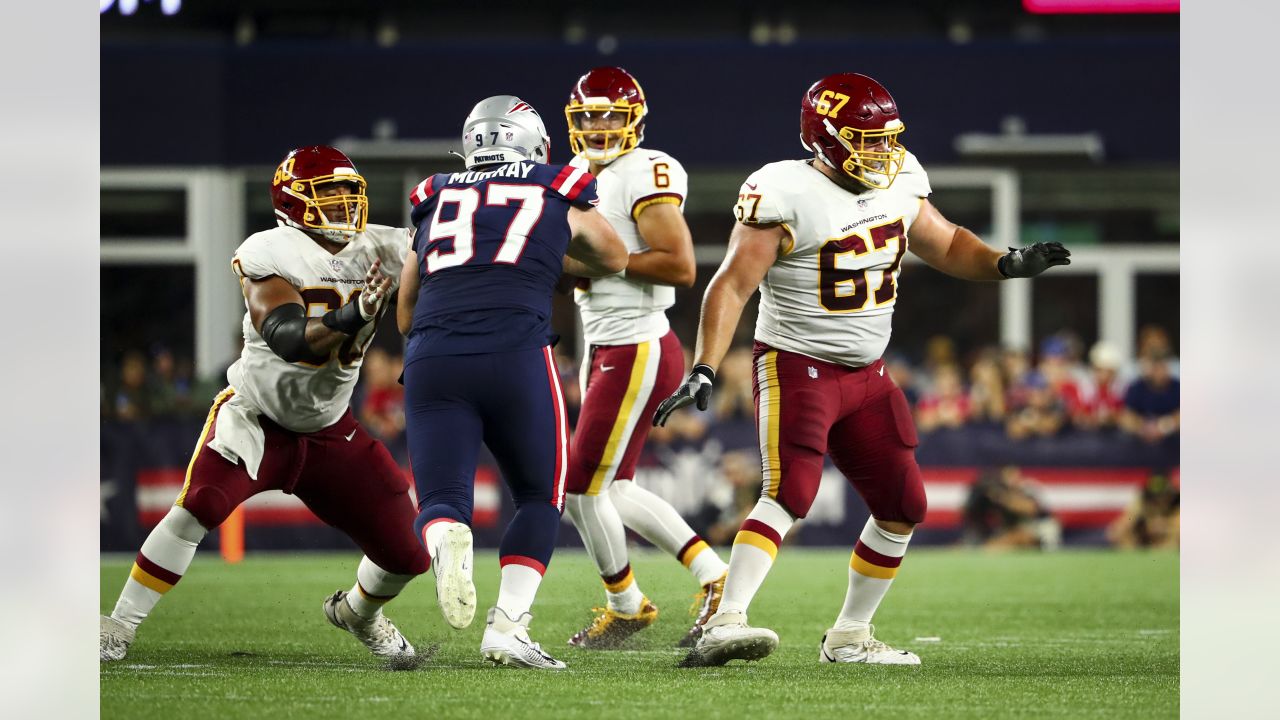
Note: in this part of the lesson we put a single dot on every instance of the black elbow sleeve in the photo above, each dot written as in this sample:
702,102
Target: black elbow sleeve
285,331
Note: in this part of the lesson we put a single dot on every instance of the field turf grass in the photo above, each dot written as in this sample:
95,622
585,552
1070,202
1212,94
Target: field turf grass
1070,635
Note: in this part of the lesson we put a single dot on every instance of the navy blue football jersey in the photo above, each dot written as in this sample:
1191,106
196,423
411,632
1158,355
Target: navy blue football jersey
490,246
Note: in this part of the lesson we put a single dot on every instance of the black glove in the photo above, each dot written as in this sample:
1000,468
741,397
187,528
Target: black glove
1031,261
696,388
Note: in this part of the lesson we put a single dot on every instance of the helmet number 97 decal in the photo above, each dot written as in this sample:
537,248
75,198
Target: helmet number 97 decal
823,106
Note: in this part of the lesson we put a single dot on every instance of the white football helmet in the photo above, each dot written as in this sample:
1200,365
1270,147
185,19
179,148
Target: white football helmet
503,129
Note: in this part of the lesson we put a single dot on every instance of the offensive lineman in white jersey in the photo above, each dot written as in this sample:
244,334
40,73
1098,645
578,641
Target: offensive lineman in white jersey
826,237
633,358
313,287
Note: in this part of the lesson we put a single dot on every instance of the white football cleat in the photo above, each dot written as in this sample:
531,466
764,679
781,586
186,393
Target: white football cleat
726,636
861,646
114,638
506,642
379,634
452,562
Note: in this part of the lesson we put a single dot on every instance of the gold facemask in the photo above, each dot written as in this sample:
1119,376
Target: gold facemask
875,168
617,141
346,212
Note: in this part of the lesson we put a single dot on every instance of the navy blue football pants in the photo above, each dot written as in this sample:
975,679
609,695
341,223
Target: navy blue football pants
512,403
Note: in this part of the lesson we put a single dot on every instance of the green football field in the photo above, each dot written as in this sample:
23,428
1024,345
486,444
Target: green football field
1071,635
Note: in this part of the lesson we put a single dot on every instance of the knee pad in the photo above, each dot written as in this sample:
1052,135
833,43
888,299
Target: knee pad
208,505
183,525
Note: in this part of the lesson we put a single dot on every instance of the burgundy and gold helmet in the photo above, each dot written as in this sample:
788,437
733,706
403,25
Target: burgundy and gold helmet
606,112
317,189
852,123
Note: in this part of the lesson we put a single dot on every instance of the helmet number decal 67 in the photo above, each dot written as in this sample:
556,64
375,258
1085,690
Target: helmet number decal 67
461,228
824,106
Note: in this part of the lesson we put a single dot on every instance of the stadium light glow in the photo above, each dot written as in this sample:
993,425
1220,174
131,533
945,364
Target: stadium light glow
129,7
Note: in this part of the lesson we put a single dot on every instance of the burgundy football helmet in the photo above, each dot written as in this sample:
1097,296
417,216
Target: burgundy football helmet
852,123
606,112
317,189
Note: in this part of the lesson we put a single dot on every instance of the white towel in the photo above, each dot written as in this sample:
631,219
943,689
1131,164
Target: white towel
237,434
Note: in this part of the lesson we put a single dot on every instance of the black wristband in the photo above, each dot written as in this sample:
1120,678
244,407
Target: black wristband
705,371
346,319
1001,263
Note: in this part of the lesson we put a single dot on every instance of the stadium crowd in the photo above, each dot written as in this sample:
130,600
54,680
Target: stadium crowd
1061,389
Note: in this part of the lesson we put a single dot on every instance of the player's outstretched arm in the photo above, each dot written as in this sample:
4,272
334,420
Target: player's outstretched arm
280,317
752,251
958,252
669,259
408,297
595,250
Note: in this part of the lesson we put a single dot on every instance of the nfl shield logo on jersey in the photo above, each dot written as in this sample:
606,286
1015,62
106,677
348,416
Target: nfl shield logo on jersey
336,264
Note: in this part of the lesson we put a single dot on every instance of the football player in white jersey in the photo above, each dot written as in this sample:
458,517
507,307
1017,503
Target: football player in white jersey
314,288
826,237
633,358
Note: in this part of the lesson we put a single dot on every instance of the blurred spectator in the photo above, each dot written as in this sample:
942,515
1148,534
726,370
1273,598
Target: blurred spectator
1059,370
1152,520
987,390
1016,364
741,470
1041,414
733,399
939,351
1154,343
945,405
130,396
168,387
1006,510
571,386
382,410
1151,404
1101,397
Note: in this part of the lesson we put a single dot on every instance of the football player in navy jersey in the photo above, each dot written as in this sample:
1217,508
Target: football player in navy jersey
475,303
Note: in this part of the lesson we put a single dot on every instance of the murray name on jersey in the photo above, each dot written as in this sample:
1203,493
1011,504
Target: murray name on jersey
831,292
307,396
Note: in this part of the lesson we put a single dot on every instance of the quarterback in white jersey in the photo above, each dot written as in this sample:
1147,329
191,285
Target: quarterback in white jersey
633,358
823,238
314,288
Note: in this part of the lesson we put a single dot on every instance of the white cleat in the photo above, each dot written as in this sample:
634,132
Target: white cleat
726,636
860,646
114,638
379,634
506,642
452,562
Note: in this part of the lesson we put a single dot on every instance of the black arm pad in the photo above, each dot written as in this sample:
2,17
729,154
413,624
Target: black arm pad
346,319
285,330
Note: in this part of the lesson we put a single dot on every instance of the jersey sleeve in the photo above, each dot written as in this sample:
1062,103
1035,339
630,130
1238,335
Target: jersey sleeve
253,260
913,178
575,185
762,200
423,190
658,179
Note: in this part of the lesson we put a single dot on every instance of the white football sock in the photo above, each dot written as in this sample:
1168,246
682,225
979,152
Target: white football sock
872,567
605,537
518,589
165,556
659,523
434,532
374,588
754,549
